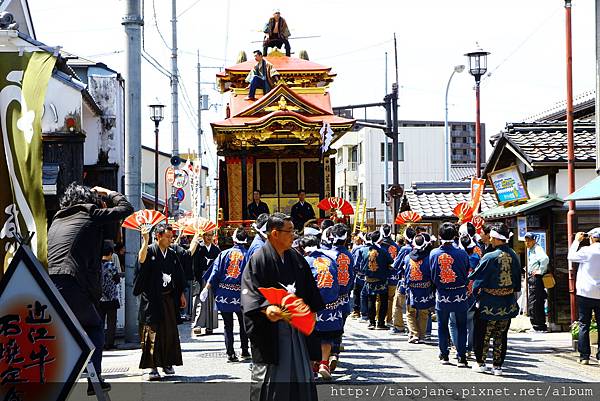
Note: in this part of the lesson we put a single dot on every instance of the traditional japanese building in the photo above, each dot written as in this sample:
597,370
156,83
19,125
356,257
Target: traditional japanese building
274,143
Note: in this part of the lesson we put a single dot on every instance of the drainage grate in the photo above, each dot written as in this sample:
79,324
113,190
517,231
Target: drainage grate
115,370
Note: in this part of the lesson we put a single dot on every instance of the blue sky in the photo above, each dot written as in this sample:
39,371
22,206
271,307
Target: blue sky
526,39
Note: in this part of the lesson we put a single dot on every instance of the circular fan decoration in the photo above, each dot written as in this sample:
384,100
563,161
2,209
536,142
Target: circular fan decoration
464,212
407,217
143,220
336,204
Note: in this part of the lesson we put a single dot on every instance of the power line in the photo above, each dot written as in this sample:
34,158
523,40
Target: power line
189,8
156,25
155,66
357,50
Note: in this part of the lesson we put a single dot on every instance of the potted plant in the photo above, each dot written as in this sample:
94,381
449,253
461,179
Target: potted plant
593,331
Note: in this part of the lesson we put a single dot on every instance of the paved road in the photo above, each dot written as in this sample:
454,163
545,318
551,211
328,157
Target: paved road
376,356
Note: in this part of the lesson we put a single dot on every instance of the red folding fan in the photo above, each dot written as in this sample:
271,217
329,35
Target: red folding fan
294,310
193,225
143,220
464,212
478,222
408,217
335,203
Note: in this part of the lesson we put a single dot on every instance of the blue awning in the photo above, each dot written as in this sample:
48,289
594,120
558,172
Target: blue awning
589,191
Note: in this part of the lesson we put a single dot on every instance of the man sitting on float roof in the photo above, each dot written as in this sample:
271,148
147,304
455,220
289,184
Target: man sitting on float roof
263,75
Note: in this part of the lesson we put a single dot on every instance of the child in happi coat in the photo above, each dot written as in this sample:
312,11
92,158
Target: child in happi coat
376,263
449,268
420,297
330,320
387,243
399,270
225,281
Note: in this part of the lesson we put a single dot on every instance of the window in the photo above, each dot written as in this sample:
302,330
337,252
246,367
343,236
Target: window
360,191
339,157
351,154
360,153
389,151
352,193
382,193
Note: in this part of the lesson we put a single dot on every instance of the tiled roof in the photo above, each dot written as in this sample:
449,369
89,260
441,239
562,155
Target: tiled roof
546,142
462,172
436,205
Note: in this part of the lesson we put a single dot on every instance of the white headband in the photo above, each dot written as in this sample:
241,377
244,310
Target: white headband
497,235
235,240
311,231
310,249
263,229
382,234
342,238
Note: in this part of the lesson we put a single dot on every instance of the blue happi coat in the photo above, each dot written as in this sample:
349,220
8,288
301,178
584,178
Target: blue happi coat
449,269
325,272
376,263
359,275
417,279
399,267
474,259
393,249
345,264
495,281
256,244
226,278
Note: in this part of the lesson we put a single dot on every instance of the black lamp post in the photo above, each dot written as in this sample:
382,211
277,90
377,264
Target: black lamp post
477,68
156,115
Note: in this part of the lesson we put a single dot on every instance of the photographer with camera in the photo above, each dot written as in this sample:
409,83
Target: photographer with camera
75,240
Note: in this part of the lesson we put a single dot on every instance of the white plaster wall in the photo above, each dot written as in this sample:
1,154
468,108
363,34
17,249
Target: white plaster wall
91,127
66,100
537,187
582,177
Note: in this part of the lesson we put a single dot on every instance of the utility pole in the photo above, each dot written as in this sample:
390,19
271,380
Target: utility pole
570,155
395,133
597,86
174,81
132,22
200,136
385,152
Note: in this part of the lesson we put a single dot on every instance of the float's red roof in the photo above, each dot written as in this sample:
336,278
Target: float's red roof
281,64
245,121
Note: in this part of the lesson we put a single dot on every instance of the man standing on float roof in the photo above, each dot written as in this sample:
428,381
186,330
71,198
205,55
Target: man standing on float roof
277,34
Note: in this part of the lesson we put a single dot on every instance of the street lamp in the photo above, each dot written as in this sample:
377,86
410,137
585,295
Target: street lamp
156,115
448,153
477,68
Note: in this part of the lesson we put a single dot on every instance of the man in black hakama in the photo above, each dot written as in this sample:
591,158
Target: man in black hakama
281,364
204,313
302,211
159,282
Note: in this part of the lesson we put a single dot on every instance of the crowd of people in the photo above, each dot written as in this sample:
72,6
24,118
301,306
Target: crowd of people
468,282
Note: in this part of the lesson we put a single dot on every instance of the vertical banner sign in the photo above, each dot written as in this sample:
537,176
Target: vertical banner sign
23,82
477,185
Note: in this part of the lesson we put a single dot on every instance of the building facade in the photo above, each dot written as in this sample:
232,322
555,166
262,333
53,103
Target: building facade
360,159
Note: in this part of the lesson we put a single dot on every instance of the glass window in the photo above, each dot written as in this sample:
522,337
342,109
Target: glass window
289,177
267,171
352,193
382,193
381,151
401,151
360,191
312,176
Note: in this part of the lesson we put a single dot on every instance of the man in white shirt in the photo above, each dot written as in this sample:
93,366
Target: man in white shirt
588,288
537,266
